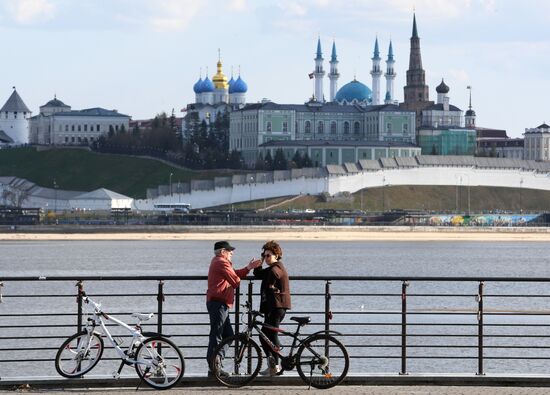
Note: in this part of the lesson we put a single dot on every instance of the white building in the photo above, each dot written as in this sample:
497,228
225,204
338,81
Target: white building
14,120
57,124
536,143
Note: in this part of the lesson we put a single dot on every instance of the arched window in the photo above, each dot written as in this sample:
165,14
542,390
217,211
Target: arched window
320,127
356,127
308,127
346,127
333,127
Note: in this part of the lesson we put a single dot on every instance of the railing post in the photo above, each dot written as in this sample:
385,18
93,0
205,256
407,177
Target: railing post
250,291
328,313
160,301
480,329
404,327
237,309
80,290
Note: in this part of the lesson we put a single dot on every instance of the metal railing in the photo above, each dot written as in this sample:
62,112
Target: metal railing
390,324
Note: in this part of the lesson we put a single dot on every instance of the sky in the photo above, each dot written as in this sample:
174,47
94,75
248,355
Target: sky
142,57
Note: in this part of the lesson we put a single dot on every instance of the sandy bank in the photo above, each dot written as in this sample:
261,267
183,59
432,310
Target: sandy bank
283,233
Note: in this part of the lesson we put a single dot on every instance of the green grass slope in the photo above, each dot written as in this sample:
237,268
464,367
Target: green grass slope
83,170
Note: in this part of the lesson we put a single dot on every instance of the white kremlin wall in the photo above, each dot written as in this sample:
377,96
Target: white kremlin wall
352,182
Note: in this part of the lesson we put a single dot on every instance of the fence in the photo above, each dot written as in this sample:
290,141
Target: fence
389,324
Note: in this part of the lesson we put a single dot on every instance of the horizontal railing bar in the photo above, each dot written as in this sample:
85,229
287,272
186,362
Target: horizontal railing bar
296,278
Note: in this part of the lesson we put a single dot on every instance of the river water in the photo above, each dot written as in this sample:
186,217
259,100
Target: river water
438,321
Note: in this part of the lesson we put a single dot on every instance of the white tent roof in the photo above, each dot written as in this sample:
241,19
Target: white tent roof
101,194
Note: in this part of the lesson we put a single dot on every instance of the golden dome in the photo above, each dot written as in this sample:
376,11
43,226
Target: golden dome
220,80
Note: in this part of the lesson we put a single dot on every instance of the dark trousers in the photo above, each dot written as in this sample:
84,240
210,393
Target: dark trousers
273,318
220,327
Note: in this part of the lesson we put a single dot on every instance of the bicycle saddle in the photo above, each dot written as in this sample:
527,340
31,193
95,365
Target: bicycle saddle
143,317
301,320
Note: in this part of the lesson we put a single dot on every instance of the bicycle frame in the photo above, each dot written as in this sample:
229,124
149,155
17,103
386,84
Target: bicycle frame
137,336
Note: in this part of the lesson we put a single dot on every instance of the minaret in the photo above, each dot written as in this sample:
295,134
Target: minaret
376,74
319,73
390,76
333,75
470,116
416,90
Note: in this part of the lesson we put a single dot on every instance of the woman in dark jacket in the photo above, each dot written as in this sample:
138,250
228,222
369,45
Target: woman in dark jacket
275,299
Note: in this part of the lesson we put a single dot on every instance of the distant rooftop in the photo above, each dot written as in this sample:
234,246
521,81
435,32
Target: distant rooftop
15,103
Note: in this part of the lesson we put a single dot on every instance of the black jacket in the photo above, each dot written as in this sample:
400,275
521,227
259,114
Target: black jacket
275,289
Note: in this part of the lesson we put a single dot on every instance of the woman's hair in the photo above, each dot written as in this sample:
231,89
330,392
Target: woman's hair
274,247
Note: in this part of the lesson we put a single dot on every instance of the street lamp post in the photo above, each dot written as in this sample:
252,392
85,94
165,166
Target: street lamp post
55,196
520,189
384,194
250,185
170,178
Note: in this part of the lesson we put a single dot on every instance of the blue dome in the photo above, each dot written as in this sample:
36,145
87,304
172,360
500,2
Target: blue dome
354,90
230,82
207,85
198,85
239,86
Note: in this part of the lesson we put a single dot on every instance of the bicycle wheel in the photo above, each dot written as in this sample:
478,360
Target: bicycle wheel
237,361
160,363
79,354
323,361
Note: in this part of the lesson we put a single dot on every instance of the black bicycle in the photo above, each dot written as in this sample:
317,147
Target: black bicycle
320,359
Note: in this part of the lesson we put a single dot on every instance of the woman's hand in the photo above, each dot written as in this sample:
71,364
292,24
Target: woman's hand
253,264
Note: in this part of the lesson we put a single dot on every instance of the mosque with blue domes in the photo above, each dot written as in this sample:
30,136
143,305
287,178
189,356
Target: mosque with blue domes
353,124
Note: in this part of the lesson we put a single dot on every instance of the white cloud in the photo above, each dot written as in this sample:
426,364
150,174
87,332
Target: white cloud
30,11
459,75
292,8
238,5
174,15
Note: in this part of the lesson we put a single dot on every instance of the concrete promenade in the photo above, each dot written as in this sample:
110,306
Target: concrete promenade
299,390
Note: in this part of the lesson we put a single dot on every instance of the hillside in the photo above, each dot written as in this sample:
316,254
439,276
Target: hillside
408,197
83,170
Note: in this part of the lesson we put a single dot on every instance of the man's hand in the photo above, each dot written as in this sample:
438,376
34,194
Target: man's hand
253,264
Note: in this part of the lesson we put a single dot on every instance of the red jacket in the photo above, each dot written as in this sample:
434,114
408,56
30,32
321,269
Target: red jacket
222,280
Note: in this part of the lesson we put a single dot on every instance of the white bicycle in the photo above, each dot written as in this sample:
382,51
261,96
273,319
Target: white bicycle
157,360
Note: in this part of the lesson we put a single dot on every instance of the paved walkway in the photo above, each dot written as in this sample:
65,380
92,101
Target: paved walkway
301,390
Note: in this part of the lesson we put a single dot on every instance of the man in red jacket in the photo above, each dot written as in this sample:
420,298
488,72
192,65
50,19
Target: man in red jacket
222,281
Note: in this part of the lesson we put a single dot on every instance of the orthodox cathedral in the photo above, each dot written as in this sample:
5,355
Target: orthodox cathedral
216,96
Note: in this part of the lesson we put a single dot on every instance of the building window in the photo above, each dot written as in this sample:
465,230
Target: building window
405,128
388,128
72,139
15,114
85,128
66,139
346,127
285,127
91,128
269,126
296,127
98,128
356,127
66,128
79,128
308,127
79,140
320,127
6,115
333,127
72,128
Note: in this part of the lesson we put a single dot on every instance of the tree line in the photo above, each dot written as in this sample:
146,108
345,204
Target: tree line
204,146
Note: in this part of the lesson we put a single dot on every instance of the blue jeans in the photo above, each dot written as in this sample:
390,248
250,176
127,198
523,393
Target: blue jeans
220,327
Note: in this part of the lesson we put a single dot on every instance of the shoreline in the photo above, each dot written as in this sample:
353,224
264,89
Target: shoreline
285,233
